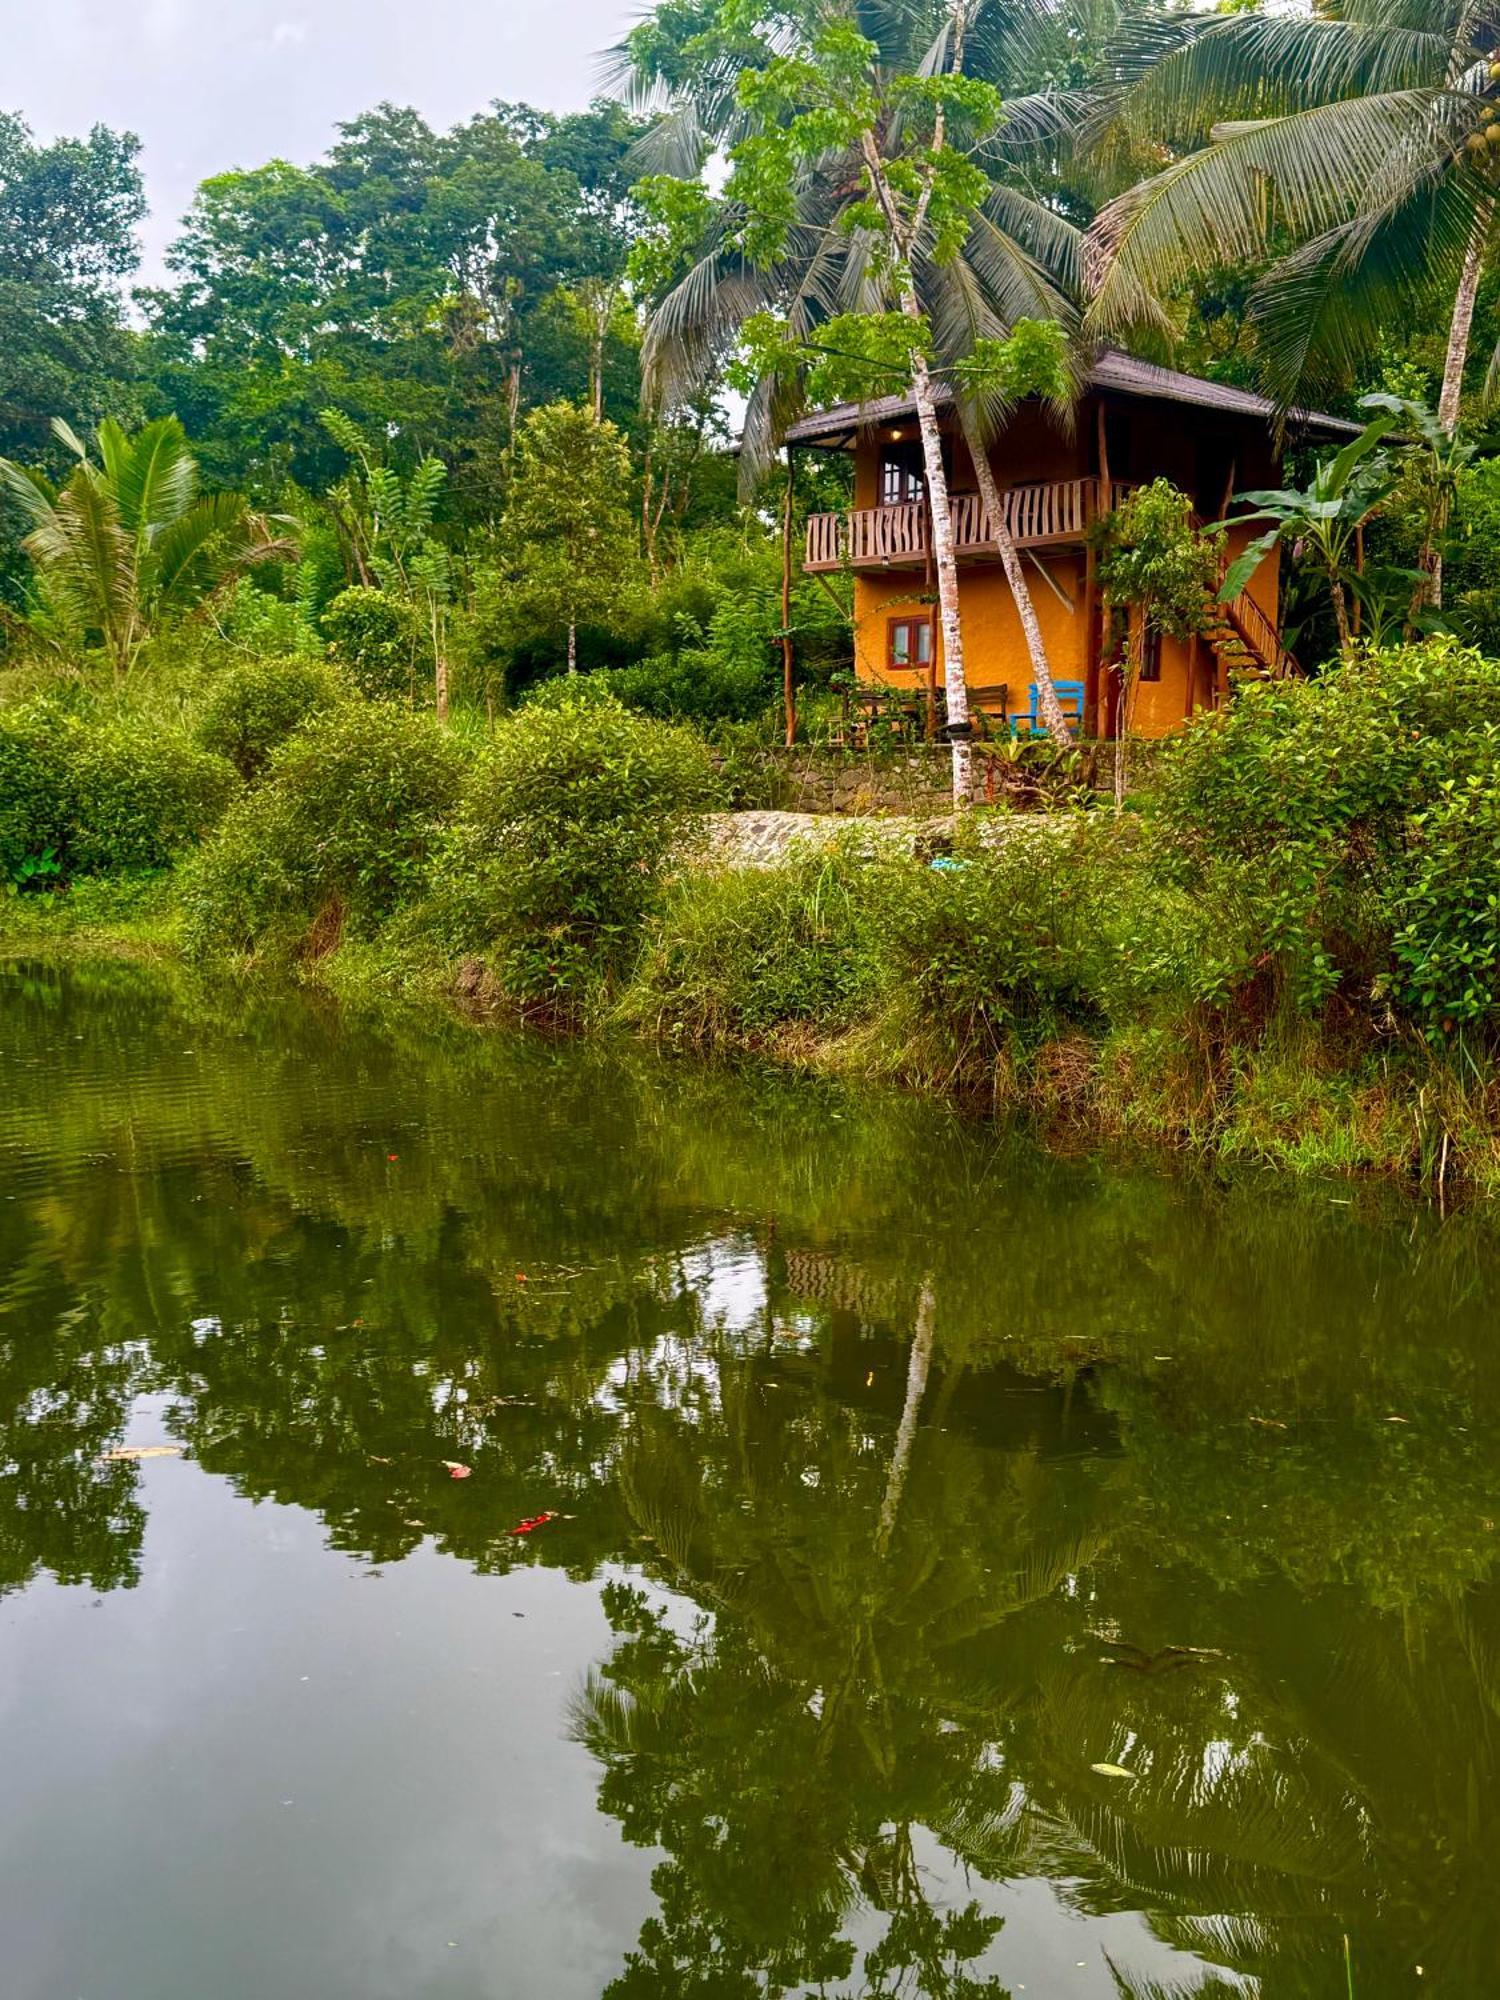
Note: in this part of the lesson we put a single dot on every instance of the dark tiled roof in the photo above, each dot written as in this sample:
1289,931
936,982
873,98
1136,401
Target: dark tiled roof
1112,370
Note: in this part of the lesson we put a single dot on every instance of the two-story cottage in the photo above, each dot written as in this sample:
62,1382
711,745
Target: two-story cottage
1135,422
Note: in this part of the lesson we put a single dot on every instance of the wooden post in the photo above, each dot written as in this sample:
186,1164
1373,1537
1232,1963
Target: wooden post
1103,443
1095,697
1092,640
788,692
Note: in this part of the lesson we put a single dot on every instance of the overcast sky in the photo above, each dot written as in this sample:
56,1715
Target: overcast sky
210,84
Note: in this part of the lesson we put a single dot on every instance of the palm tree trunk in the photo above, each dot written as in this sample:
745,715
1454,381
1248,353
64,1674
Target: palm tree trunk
788,691
1048,705
1462,323
918,1364
955,687
1460,328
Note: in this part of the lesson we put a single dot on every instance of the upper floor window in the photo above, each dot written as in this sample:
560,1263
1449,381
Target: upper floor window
901,476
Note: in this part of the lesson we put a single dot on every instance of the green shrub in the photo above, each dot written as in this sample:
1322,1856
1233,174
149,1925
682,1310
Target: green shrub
381,642
735,955
340,834
253,708
995,949
1294,813
34,793
138,795
728,674
1447,911
101,795
565,829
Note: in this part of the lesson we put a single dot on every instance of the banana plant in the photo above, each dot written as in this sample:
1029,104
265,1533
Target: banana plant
1322,521
128,540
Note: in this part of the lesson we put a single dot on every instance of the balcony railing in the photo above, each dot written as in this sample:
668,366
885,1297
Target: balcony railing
1051,514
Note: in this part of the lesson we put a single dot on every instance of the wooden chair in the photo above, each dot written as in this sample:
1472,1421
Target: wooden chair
1070,695
989,709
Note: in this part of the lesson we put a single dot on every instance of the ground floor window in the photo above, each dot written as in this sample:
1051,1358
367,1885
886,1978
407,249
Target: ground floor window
909,642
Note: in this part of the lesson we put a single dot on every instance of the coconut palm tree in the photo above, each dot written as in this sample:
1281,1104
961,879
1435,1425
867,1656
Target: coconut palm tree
127,540
1019,259
1352,149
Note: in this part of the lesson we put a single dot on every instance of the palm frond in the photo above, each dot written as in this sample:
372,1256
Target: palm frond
1174,78
87,558
212,543
32,493
64,432
1308,171
154,476
1323,311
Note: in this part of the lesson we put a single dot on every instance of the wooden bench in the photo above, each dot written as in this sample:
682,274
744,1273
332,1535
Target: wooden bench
905,708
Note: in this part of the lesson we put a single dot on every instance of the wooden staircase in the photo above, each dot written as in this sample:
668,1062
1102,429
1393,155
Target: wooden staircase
1245,640
1248,643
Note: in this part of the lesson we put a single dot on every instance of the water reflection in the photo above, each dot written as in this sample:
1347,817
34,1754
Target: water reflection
960,1517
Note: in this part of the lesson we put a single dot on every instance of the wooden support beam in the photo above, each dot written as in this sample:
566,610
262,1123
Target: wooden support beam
1069,603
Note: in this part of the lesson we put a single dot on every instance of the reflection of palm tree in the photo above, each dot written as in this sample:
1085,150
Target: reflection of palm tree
837,1672
918,1364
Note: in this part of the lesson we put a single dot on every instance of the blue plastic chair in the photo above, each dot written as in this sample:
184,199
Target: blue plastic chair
1069,695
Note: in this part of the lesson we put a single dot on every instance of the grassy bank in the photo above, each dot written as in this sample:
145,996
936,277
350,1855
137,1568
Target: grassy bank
1285,953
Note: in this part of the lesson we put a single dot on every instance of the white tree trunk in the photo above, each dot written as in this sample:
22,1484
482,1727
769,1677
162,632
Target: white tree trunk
955,687
1459,330
1462,323
439,667
918,1363
1049,706
572,647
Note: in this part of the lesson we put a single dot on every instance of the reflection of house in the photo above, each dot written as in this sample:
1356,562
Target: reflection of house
1134,423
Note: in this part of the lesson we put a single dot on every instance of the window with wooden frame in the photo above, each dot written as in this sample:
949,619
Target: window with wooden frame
1151,654
908,644
902,478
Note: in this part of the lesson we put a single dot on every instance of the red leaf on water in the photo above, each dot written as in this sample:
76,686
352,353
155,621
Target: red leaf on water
535,1521
457,1471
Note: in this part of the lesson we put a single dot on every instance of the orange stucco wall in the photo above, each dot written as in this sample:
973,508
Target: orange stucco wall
1147,443
994,644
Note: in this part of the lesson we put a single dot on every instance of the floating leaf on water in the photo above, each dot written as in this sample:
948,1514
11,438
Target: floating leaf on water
144,1451
457,1471
534,1521
1112,1770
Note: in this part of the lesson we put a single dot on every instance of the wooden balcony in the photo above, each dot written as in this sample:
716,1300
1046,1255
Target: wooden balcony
1051,515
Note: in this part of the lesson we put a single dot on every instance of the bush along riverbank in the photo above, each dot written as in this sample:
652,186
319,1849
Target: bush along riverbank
1287,949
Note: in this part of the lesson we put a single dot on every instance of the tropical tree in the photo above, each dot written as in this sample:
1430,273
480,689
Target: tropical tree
128,540
1352,151
859,227
1165,568
1325,519
1435,458
568,536
68,212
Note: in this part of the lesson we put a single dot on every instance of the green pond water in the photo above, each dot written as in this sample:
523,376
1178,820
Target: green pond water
898,1478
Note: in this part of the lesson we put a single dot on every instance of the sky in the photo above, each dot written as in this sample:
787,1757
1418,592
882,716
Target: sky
212,84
